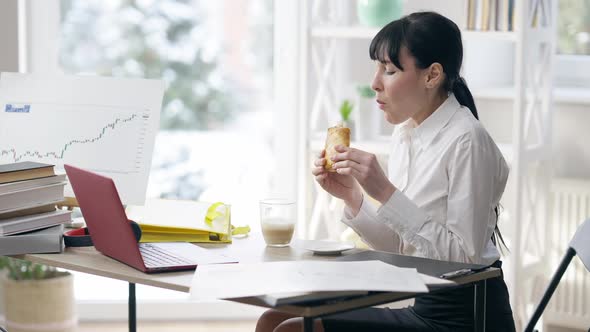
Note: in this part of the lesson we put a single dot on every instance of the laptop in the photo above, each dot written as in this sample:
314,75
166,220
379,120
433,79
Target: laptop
113,236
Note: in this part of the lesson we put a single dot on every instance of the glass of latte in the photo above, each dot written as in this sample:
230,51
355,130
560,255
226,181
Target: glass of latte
277,219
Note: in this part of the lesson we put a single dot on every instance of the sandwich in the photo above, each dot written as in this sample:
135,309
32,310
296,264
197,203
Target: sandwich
338,135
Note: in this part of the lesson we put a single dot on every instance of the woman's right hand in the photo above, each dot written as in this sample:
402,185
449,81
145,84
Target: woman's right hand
341,186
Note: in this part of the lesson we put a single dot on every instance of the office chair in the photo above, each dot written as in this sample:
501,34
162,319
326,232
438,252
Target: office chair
579,245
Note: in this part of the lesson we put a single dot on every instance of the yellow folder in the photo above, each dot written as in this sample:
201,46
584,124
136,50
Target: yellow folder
164,220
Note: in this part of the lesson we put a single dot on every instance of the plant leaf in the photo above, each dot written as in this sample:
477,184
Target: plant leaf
345,109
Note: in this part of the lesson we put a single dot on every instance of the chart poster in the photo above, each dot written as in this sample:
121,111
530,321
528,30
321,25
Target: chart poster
105,125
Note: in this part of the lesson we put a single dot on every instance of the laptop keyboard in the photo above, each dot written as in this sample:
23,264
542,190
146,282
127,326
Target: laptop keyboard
154,256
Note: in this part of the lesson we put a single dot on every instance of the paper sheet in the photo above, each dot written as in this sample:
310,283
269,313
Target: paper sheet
239,280
105,125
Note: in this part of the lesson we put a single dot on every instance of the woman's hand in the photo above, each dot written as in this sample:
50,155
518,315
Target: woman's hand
341,186
363,166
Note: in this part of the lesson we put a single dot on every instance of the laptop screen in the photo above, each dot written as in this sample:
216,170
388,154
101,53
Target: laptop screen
105,216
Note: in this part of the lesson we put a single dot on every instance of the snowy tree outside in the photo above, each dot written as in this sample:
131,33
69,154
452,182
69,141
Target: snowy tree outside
215,58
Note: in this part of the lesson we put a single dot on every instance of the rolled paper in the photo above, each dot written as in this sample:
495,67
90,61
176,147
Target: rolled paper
336,136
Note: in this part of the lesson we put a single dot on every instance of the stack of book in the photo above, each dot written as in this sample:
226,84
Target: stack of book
29,220
497,15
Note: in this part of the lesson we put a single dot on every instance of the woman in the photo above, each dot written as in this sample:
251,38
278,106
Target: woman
446,178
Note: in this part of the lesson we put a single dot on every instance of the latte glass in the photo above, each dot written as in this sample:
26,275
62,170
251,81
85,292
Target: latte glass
277,219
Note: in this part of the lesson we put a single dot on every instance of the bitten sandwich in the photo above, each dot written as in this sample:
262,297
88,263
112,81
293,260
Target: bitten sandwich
337,135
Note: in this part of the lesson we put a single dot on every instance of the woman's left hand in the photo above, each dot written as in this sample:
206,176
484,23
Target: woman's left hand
365,168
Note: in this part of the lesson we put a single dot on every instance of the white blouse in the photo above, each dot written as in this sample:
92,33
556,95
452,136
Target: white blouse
449,175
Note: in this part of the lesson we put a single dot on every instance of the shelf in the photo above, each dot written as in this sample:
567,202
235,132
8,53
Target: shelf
344,32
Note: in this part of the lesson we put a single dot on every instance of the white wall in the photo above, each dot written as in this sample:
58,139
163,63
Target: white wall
8,35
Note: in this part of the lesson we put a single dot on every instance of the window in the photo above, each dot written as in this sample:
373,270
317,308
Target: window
574,27
573,44
215,132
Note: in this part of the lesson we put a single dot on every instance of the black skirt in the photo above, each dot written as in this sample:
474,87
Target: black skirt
443,311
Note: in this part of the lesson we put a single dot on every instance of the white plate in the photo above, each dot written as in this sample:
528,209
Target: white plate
328,247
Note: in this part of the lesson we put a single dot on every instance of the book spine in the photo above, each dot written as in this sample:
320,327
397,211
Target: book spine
503,15
471,12
485,15
493,15
30,184
478,14
34,222
510,15
32,197
46,241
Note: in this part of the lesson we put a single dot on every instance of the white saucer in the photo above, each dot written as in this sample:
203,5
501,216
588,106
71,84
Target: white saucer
328,247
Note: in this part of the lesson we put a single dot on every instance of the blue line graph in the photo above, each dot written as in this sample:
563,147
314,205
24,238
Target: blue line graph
59,153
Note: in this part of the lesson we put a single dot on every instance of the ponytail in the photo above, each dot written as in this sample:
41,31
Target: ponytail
463,95
497,238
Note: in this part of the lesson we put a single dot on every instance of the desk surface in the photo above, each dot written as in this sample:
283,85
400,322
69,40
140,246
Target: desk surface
250,249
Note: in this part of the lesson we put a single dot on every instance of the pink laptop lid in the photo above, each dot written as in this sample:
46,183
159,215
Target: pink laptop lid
105,216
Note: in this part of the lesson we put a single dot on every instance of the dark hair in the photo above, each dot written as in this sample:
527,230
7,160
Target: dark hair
430,37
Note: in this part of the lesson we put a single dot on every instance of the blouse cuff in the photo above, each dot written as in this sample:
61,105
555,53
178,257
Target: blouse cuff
367,210
402,214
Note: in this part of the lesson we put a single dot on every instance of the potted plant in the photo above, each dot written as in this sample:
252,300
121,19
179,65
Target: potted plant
37,297
345,111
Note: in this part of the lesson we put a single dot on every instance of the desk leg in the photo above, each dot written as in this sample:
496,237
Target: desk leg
132,308
479,313
308,324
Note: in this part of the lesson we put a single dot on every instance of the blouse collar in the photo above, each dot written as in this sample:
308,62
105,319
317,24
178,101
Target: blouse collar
433,124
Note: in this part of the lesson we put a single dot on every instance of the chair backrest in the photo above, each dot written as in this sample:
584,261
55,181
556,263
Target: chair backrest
579,245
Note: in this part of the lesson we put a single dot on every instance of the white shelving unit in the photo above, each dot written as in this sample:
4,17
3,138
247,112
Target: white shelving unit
330,32
531,140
